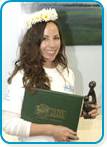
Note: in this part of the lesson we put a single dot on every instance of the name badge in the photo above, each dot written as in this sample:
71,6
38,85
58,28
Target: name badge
68,88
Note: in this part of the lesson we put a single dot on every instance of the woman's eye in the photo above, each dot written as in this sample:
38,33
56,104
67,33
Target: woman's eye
44,38
57,38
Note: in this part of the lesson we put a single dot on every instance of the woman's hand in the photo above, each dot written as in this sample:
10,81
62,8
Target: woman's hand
61,133
94,112
91,111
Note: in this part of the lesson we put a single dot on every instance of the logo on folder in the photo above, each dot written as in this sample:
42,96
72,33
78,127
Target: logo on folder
45,111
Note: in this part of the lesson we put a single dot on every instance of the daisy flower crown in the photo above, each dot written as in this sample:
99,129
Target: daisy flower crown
42,15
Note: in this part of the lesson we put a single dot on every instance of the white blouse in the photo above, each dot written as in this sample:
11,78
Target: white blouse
13,124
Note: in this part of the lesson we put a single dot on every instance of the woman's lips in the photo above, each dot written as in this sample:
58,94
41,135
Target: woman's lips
51,51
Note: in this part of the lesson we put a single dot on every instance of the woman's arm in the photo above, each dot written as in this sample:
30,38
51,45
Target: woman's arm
14,125
60,133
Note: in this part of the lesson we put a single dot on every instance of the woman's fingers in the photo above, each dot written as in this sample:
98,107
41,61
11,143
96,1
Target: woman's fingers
73,138
65,134
72,132
95,106
72,135
94,112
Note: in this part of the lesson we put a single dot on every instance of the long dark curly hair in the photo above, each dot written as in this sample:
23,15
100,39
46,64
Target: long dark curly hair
31,61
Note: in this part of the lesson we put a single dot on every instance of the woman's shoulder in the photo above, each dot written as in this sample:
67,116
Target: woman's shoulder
67,72
18,77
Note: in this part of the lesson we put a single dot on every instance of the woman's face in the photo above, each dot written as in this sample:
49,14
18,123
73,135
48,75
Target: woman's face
51,43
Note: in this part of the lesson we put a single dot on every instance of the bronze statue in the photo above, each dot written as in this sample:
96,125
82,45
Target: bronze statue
89,100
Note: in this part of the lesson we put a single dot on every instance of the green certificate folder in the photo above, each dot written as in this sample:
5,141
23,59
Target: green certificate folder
51,107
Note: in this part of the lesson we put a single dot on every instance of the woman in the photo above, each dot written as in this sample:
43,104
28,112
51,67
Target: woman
42,64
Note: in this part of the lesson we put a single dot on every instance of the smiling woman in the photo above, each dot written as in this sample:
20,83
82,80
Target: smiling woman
50,45
41,64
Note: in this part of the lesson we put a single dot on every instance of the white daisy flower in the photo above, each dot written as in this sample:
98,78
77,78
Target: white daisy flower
42,15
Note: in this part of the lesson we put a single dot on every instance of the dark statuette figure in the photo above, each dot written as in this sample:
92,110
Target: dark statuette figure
89,100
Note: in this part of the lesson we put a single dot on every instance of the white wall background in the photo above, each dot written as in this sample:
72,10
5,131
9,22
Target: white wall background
84,60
